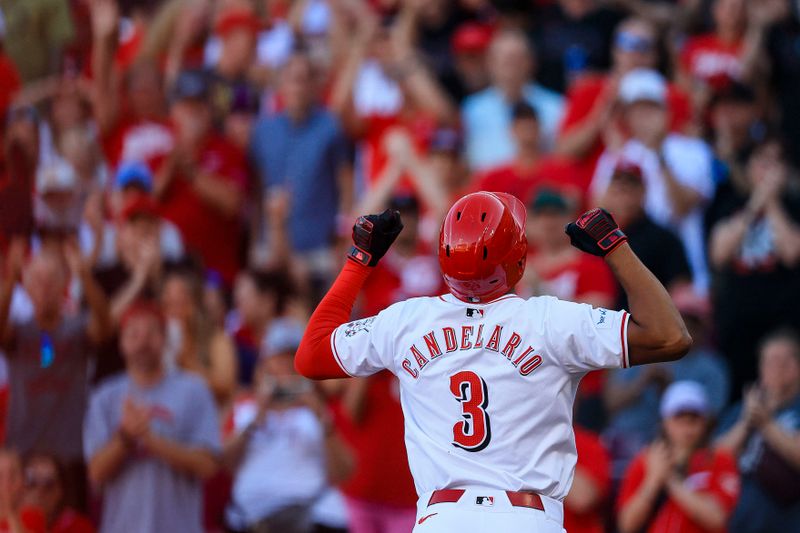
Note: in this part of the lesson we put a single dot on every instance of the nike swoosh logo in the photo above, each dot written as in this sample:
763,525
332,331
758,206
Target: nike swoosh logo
421,520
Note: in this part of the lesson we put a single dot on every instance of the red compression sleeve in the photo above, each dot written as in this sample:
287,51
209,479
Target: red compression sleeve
314,358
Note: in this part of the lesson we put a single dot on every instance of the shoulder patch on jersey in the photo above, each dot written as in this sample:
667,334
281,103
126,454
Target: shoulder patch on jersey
357,326
602,318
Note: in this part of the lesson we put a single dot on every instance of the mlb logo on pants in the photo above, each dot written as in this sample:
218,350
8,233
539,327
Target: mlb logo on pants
484,500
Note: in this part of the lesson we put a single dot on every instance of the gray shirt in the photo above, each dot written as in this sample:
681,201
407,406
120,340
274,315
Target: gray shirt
48,387
148,495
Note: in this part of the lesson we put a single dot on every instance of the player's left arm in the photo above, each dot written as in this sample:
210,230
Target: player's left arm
372,236
656,331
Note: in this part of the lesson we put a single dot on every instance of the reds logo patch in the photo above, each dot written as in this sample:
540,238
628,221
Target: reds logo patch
358,326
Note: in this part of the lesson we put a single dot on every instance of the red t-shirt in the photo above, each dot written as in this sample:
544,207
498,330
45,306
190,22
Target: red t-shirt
558,173
147,140
711,472
418,126
398,278
214,236
381,474
594,462
32,519
583,275
707,58
71,521
583,96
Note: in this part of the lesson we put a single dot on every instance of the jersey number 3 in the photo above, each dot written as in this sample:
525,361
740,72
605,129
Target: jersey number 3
474,432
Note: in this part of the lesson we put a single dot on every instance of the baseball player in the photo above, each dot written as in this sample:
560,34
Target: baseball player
488,379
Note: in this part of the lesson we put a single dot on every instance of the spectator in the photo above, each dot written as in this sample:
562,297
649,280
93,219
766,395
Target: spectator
591,101
259,297
584,506
131,116
302,150
49,357
678,482
196,344
658,248
554,267
368,415
133,183
467,73
150,435
762,431
713,57
45,486
237,29
201,185
573,37
530,168
676,168
735,128
14,516
755,247
703,364
408,269
281,429
487,114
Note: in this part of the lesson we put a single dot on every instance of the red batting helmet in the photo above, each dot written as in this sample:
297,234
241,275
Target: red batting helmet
482,246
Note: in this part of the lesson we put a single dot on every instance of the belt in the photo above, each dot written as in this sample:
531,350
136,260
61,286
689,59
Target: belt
517,499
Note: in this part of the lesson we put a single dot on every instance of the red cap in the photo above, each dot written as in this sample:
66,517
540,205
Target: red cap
142,205
471,37
237,19
143,307
628,169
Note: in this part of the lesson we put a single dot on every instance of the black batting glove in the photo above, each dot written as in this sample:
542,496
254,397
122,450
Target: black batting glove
372,236
595,232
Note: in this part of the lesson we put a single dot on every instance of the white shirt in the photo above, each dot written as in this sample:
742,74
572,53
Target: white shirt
284,463
516,362
689,161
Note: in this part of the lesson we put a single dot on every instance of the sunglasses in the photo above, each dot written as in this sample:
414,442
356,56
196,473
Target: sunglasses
40,482
630,42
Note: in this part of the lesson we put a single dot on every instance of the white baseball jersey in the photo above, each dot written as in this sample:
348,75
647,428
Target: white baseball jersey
487,390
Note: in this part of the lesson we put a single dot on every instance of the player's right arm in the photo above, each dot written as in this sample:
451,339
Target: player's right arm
372,236
656,331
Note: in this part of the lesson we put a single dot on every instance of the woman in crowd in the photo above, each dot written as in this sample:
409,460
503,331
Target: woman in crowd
196,344
678,483
44,488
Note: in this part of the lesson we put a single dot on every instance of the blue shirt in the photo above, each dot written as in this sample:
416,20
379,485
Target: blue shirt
487,123
305,158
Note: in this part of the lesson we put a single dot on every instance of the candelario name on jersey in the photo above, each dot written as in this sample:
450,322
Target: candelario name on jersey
447,340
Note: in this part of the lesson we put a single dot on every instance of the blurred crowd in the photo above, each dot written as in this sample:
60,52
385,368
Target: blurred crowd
178,182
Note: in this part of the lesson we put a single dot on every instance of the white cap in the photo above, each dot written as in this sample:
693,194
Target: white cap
57,176
643,84
283,336
684,397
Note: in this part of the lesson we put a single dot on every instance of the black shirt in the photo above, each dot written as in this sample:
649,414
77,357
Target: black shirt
660,251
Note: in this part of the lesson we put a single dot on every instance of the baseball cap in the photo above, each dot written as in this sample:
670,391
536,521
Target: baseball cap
684,397
143,307
628,171
643,85
404,203
523,110
141,206
283,336
58,176
471,38
134,173
733,91
237,19
191,84
546,198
